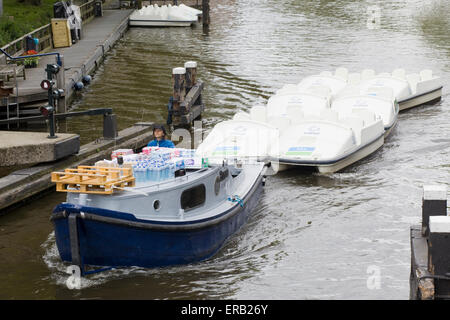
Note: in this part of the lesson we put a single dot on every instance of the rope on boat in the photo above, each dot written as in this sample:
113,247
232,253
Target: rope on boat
236,198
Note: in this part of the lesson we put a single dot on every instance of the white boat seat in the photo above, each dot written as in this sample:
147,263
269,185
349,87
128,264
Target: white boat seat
258,113
367,116
399,73
319,90
279,122
367,74
426,75
329,115
241,116
294,113
287,89
326,74
356,123
384,74
413,79
354,78
382,92
341,73
311,116
350,90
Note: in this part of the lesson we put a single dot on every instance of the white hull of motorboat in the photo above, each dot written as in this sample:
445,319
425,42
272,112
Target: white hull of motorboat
159,23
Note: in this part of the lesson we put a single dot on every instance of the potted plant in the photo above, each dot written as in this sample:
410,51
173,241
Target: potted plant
30,62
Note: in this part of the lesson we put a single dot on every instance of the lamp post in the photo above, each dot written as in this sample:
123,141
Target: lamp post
53,96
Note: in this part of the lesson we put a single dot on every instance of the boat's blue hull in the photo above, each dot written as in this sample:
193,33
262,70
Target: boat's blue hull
112,238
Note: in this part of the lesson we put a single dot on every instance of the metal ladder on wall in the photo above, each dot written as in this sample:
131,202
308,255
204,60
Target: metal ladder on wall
6,100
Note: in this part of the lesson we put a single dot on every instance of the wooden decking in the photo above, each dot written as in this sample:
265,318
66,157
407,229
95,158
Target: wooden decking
82,58
91,179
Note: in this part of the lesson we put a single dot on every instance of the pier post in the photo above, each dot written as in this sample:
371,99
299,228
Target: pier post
110,126
438,255
179,91
205,13
191,74
61,84
434,203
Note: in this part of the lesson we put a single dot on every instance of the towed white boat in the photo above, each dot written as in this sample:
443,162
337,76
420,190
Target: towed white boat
244,138
378,101
327,121
324,141
164,16
330,142
409,90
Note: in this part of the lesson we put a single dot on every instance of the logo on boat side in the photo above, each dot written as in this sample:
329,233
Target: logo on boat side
373,17
300,151
226,150
239,131
295,100
312,130
360,103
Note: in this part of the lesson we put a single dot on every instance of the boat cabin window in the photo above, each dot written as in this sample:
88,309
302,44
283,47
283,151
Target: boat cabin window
193,197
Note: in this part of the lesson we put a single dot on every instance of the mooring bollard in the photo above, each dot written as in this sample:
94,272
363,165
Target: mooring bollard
205,13
434,203
439,255
110,126
191,74
179,89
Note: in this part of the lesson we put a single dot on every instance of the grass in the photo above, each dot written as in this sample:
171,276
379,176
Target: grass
20,18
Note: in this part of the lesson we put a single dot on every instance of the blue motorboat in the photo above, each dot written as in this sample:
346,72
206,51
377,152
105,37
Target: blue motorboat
181,220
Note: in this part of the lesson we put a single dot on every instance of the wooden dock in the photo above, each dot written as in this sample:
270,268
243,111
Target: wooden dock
22,185
82,58
22,147
430,244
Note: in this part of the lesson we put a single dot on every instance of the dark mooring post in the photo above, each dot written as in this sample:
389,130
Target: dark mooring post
191,74
434,203
438,255
179,91
205,13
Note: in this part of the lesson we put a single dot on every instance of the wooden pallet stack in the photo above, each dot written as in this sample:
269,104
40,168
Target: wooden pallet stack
94,180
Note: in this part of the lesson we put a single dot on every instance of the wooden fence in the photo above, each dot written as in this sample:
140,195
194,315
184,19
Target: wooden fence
18,46
44,34
87,11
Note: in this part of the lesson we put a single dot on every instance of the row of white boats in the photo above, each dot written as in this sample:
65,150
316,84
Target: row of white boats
164,16
327,121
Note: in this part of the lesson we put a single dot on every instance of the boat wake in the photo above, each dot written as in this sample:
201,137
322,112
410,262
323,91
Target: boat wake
60,274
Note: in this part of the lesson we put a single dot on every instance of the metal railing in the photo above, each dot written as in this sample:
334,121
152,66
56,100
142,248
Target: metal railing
44,34
87,11
18,46
57,54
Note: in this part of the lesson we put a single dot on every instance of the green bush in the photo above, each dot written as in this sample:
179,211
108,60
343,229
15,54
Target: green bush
23,16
